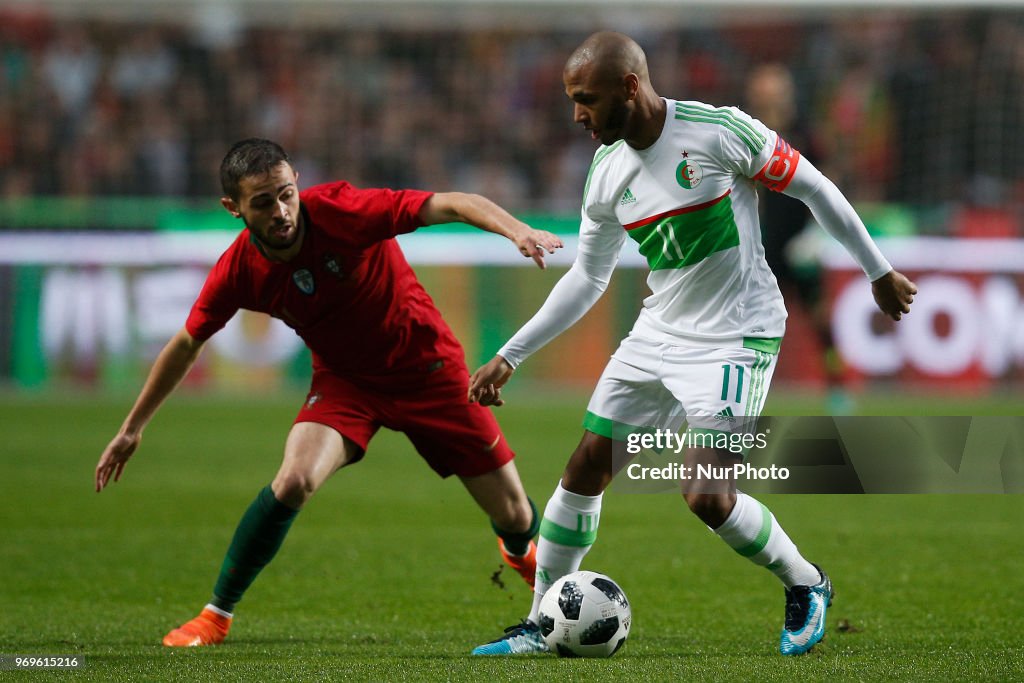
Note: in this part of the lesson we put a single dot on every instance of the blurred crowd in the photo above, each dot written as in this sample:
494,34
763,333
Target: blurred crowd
915,108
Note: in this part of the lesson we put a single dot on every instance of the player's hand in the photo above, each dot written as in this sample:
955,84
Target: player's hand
894,293
532,243
486,383
114,457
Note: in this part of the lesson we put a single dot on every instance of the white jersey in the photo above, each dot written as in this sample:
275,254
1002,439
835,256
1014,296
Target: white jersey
689,202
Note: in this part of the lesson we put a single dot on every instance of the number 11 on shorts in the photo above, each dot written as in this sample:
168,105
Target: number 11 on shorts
739,382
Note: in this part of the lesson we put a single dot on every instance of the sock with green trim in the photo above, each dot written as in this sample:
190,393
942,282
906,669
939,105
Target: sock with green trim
257,539
568,530
752,531
518,542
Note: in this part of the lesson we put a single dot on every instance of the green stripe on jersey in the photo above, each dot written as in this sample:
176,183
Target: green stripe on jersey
723,116
598,158
688,238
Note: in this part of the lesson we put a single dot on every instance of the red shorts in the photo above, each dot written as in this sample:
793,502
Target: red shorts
451,434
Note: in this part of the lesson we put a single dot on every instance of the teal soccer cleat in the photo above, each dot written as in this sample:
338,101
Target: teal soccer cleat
522,639
805,615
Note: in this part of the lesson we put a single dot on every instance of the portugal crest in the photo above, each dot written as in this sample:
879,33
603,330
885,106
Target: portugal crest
332,265
303,279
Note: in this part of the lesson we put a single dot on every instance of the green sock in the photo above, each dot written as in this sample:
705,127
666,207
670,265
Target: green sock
257,539
518,542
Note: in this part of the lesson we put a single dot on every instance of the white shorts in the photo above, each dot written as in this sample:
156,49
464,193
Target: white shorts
649,384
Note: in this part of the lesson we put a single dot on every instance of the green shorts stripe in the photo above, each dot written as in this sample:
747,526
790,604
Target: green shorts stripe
756,392
603,426
767,344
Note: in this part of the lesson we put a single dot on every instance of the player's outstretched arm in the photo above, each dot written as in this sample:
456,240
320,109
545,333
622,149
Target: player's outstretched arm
171,366
486,383
892,290
480,212
894,293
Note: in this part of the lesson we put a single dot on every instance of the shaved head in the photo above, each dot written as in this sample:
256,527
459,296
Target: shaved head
609,56
607,79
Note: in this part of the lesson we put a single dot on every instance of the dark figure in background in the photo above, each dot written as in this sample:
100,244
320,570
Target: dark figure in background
771,97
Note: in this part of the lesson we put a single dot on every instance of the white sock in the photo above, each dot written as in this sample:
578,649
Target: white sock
567,531
217,610
752,531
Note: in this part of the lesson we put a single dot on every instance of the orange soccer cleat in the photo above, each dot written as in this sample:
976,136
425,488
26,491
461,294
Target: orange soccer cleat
526,564
209,628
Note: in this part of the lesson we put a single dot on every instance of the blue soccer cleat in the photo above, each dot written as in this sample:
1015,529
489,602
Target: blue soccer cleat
522,639
805,615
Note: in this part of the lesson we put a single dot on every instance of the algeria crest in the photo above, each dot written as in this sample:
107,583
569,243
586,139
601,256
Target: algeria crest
303,279
689,174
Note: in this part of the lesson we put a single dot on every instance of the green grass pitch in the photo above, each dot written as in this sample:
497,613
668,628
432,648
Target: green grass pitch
387,575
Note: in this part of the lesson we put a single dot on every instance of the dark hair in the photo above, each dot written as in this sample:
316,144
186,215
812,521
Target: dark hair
249,157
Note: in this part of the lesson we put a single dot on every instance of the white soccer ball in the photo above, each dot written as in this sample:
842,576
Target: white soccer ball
585,614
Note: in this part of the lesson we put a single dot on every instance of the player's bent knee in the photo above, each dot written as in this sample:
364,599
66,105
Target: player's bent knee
711,508
501,495
589,470
514,512
516,516
294,489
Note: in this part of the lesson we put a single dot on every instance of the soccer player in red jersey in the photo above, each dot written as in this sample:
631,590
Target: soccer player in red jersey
323,260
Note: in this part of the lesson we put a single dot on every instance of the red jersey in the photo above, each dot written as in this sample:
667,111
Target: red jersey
349,293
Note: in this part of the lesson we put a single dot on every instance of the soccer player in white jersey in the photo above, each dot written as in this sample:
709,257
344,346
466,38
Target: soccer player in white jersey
679,178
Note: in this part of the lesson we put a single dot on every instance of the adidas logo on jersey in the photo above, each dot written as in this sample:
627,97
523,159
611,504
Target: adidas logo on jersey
627,198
